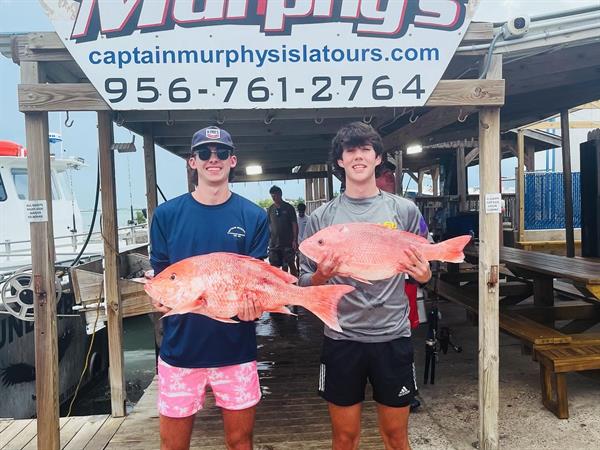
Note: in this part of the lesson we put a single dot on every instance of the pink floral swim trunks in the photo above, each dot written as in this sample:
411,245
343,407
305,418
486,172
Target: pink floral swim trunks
182,390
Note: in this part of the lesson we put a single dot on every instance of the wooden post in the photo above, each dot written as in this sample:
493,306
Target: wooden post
521,182
42,271
489,252
530,158
112,295
399,170
151,204
420,183
567,182
329,183
308,190
461,175
150,166
321,185
435,179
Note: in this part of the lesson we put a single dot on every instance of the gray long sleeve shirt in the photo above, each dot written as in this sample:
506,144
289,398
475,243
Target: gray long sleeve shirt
376,312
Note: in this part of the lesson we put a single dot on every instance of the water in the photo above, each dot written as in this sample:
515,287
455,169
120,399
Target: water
140,366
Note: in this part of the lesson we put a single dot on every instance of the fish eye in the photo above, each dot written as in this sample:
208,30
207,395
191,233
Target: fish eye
173,276
320,242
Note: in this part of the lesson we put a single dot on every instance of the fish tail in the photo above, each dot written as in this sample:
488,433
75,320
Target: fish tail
448,251
323,301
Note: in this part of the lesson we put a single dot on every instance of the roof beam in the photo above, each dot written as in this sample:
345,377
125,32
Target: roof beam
84,97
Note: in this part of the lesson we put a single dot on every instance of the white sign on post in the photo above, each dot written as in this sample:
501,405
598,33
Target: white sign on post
37,211
249,54
493,203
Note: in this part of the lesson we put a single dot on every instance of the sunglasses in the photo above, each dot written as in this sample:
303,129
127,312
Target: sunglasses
205,153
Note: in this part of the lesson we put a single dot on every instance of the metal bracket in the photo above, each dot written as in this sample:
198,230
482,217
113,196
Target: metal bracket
493,277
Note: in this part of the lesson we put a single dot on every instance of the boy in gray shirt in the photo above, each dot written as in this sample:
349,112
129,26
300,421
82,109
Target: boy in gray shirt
375,342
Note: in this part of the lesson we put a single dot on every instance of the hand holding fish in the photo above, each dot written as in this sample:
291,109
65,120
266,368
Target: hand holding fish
160,307
326,269
417,266
249,311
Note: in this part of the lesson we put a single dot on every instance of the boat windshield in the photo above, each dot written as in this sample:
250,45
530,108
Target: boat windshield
2,190
20,179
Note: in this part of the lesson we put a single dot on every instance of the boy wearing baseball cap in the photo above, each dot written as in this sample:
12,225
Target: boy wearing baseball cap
197,351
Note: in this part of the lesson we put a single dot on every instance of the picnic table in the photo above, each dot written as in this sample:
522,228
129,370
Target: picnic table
527,274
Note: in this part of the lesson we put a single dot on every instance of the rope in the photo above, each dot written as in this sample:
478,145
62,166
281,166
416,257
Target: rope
87,356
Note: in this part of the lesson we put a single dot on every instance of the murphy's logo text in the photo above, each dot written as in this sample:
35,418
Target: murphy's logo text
371,18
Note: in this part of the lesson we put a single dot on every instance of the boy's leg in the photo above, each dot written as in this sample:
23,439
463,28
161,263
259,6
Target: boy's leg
237,391
393,426
239,426
392,376
342,381
345,426
175,433
180,395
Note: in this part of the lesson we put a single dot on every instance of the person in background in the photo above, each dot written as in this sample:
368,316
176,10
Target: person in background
283,225
196,351
302,220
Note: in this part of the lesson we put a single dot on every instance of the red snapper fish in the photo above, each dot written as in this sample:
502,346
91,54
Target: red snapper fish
370,251
217,284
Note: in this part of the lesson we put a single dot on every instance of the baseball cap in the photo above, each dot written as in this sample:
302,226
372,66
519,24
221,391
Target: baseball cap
212,135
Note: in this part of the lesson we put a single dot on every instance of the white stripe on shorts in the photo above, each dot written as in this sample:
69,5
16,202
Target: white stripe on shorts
322,378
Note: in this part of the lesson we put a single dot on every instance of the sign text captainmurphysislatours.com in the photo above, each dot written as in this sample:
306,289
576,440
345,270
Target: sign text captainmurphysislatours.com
246,54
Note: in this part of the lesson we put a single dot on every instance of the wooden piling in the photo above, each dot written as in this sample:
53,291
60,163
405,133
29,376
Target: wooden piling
567,182
489,255
112,295
42,271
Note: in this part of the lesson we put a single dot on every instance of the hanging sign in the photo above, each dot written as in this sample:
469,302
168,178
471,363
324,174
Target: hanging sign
493,203
247,54
37,211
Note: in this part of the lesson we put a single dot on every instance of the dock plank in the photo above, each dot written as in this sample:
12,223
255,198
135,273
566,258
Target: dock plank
86,432
32,444
25,436
9,433
105,433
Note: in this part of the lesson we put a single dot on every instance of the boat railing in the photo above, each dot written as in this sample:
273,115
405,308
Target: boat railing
130,234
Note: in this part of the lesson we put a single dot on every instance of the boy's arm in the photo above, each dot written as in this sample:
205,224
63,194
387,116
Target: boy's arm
258,249
159,254
312,274
307,266
419,269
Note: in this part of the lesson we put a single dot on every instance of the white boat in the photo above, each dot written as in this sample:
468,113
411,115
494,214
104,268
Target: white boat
17,349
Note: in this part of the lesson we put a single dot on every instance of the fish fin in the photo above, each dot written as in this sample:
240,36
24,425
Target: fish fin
282,310
448,251
323,301
275,271
224,319
362,280
141,280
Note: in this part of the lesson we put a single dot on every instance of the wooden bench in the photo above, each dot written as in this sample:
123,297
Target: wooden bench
555,362
521,327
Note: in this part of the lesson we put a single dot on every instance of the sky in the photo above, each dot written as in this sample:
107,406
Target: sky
81,139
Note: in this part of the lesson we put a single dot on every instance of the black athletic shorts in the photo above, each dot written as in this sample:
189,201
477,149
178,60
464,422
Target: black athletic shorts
388,366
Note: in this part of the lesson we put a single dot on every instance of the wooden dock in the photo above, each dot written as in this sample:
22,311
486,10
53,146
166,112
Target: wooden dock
290,415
